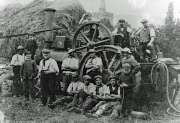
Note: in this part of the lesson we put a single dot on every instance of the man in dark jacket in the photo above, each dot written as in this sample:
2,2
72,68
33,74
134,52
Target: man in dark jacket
31,45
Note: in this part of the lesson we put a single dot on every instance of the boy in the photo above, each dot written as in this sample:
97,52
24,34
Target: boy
28,72
127,82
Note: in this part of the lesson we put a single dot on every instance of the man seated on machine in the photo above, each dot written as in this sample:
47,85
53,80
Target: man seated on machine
123,34
88,18
74,87
94,65
146,36
112,104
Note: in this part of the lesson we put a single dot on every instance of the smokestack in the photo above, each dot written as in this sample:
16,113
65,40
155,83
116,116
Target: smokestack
49,19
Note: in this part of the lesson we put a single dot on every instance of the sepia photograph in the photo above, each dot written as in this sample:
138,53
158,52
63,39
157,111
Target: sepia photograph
89,61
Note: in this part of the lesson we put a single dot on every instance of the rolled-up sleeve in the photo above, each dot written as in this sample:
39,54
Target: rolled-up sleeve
152,32
69,88
92,89
55,66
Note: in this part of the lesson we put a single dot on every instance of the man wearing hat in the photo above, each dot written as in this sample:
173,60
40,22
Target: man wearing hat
101,92
135,67
147,36
16,63
93,65
123,32
31,45
113,103
69,67
28,72
88,89
48,69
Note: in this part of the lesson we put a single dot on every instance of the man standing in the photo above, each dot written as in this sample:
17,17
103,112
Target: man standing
31,45
48,69
147,36
16,63
70,66
123,32
93,65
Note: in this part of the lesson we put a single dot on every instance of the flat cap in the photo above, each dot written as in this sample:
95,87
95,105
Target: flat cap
87,77
98,76
92,51
126,65
27,52
46,50
121,20
126,50
70,51
144,20
75,74
20,48
112,77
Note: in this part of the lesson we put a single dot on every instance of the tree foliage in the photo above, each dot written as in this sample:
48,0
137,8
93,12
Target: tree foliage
107,23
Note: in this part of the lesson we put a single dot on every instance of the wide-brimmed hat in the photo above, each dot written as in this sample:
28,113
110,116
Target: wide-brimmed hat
70,51
20,48
144,20
126,50
87,77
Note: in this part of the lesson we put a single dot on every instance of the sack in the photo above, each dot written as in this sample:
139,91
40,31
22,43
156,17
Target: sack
7,88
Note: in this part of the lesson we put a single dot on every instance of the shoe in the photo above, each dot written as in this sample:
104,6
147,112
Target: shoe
51,106
71,109
113,116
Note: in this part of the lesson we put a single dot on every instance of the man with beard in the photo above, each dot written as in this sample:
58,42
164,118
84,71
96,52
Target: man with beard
69,67
93,65
48,70
16,63
122,33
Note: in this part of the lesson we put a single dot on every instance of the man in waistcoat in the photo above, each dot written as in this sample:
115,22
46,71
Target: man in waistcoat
147,36
123,34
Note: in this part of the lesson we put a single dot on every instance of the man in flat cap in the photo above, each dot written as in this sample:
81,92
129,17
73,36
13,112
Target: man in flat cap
48,70
79,98
16,63
69,67
122,33
93,65
147,36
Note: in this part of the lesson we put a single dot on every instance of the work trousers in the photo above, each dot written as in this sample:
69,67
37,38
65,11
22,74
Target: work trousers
66,80
29,88
17,85
65,99
143,47
89,103
48,87
127,101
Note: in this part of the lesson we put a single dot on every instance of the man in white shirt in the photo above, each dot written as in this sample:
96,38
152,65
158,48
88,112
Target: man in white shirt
74,87
94,65
48,70
69,67
16,63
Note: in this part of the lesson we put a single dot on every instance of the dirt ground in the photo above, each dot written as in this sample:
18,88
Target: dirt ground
16,111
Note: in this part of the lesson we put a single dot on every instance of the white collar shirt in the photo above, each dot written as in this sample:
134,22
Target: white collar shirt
17,60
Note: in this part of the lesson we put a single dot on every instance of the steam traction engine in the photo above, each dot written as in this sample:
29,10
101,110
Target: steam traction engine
160,79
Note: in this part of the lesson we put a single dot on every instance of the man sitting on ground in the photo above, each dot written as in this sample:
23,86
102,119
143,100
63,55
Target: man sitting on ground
78,99
112,104
74,87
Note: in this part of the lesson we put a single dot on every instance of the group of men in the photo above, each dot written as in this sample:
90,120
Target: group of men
91,94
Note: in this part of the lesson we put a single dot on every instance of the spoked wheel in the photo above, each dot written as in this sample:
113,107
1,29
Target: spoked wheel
90,35
110,56
161,78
